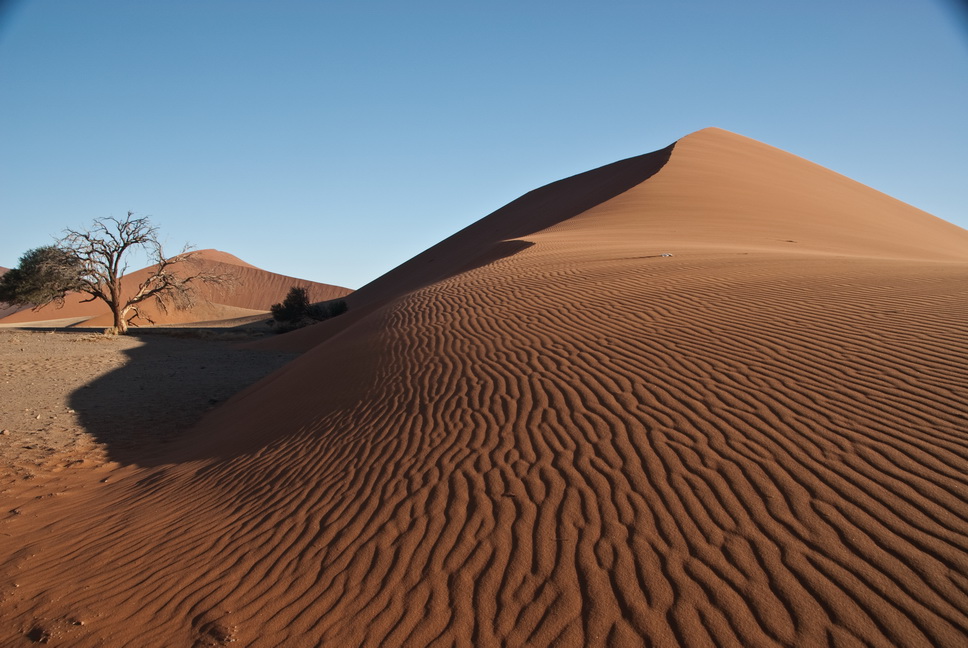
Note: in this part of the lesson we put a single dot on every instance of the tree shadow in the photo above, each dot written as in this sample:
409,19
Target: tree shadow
168,383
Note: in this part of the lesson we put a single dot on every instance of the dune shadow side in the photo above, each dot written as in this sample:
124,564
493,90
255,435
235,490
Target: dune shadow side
327,330
142,411
493,237
495,252
534,211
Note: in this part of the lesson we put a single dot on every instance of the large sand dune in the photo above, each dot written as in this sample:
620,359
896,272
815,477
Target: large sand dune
559,436
247,290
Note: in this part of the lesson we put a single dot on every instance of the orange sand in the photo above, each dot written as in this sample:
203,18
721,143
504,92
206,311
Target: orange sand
248,290
544,432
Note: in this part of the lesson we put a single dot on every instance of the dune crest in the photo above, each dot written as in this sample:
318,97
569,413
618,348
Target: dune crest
722,191
576,441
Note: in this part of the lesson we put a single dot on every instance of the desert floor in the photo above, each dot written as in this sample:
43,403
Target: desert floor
73,401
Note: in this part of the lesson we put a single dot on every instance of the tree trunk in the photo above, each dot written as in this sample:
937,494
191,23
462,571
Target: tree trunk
117,307
120,325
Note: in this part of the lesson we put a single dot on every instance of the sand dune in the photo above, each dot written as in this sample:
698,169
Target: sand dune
248,290
559,436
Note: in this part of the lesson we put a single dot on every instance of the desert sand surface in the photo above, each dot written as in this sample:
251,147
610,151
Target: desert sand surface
247,290
61,394
719,399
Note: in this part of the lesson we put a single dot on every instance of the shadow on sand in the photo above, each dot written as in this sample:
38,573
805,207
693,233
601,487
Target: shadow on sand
167,384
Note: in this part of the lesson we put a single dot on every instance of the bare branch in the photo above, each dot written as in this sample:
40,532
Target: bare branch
101,253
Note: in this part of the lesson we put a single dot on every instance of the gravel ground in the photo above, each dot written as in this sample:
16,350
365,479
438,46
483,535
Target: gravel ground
79,399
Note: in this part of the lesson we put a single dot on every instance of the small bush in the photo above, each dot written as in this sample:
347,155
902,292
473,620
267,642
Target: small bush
325,310
295,311
293,308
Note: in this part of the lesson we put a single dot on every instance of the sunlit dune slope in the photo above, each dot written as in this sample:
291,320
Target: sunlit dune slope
246,289
719,191
582,442
484,241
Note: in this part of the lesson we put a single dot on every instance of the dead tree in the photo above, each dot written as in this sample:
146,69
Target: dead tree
94,261
101,252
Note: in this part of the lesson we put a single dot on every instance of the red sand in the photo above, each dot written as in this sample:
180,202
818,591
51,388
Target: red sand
559,436
249,290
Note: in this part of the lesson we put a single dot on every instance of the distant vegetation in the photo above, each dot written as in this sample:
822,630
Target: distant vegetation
42,276
295,311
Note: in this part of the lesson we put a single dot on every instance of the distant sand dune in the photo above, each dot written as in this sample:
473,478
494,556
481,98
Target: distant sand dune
580,442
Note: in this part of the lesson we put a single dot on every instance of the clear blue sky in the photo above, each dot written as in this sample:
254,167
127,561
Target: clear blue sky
334,140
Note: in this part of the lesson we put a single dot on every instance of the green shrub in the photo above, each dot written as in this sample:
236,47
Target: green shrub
295,311
325,310
293,308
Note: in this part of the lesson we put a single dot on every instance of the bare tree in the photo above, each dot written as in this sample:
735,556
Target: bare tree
94,260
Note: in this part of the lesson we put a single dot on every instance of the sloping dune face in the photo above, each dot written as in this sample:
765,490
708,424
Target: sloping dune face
245,290
747,443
